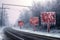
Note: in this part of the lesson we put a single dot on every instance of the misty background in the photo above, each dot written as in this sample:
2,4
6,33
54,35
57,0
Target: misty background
12,11
31,8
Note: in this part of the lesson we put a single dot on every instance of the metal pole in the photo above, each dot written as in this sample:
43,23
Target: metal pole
2,15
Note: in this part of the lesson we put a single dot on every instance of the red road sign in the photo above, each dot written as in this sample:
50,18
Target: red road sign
34,21
20,23
48,18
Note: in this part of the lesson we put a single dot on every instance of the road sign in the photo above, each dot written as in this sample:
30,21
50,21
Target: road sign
20,23
48,18
34,21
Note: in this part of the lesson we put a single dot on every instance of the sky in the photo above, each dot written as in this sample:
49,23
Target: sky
14,11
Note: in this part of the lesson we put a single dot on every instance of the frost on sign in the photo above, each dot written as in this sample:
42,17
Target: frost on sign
34,21
48,17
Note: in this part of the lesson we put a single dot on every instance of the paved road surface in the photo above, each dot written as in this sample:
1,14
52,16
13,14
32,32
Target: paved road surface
20,35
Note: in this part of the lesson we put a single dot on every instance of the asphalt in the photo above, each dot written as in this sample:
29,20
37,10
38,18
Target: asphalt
12,34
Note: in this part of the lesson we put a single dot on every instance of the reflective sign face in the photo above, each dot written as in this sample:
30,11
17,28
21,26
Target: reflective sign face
34,21
48,17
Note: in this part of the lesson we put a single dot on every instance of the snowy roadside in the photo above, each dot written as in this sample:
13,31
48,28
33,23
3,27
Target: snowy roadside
1,33
1,36
56,35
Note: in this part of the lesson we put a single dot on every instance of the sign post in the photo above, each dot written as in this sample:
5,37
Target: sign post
20,23
34,21
48,18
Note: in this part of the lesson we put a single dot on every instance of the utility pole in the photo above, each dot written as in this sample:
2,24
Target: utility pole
2,14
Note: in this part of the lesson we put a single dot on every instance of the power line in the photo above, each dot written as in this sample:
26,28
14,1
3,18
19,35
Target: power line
3,8
18,5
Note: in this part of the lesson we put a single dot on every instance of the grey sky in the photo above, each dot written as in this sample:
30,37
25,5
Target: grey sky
14,11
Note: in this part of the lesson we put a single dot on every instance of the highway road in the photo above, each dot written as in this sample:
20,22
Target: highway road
12,34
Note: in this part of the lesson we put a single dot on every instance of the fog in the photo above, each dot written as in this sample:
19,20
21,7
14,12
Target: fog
16,13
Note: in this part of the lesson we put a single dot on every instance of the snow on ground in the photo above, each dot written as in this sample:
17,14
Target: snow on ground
52,33
1,33
56,35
